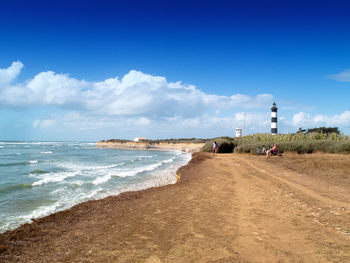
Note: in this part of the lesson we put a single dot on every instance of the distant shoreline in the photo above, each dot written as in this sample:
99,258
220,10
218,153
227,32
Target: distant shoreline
190,147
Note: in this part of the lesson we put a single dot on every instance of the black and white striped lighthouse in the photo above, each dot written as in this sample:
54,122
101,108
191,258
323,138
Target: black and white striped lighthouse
274,119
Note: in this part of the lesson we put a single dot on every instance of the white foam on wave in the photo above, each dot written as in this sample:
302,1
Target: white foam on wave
140,158
15,221
85,170
133,172
65,201
33,162
55,177
41,211
102,179
48,152
142,169
144,156
65,198
161,177
73,166
169,160
31,143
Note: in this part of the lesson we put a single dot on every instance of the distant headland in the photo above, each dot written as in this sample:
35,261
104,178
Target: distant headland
185,145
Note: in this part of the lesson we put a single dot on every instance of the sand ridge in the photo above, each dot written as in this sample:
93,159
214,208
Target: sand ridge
225,208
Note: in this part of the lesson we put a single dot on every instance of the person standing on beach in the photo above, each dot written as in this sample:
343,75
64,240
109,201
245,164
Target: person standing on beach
215,147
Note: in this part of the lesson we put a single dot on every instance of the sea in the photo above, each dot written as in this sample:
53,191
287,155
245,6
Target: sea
40,178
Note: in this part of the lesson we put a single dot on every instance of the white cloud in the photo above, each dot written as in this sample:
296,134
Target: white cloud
9,74
142,104
135,104
36,123
43,124
200,126
343,76
135,95
47,123
305,120
301,118
206,125
143,121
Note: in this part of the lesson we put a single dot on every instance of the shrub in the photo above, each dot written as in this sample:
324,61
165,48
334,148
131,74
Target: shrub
226,145
298,143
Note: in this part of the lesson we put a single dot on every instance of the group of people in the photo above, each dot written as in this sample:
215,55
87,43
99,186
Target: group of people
267,153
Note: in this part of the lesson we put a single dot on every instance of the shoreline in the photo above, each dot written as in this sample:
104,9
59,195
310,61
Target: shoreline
225,208
170,175
33,227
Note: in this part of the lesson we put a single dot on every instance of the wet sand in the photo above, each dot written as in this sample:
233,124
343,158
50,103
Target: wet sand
225,208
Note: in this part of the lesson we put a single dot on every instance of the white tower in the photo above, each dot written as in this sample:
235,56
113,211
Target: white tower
274,119
238,132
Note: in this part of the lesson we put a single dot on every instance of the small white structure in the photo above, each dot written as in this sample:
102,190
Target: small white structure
140,139
238,132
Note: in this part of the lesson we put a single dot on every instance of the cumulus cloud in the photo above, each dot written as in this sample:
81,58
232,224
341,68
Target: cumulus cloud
302,119
343,76
9,74
201,126
135,95
206,125
133,105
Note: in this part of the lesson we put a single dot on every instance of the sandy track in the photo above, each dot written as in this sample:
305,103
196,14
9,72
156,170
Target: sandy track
283,220
226,208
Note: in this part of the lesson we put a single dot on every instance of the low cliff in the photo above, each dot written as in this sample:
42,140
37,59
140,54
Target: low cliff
149,145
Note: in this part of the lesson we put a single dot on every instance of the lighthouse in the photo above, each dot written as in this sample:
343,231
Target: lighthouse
274,119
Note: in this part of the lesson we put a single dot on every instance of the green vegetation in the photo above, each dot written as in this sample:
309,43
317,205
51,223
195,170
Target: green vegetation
321,130
319,140
300,143
226,145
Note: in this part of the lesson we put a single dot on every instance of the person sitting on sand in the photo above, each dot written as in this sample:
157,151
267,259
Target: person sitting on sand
215,147
273,150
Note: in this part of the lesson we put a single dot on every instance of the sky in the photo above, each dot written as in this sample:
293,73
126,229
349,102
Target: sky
91,70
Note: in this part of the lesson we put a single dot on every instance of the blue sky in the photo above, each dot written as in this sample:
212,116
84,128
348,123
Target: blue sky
90,70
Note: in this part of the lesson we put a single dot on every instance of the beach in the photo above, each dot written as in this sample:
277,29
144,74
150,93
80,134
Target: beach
224,208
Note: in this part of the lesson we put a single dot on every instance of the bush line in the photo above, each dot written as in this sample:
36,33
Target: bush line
299,143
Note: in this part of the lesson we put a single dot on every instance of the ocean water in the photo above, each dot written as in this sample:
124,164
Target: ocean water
40,178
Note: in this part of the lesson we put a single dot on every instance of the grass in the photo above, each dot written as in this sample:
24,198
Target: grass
226,145
299,143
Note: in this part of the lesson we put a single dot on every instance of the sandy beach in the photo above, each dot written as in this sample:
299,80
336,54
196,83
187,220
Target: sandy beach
225,208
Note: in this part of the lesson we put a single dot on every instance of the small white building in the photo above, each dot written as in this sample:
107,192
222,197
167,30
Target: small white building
140,139
238,132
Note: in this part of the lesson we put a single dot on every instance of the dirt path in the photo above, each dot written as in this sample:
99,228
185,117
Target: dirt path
282,220
226,208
